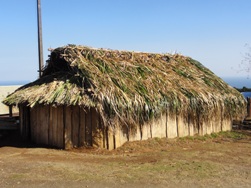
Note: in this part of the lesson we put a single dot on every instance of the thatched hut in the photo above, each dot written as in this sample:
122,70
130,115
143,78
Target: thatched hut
103,98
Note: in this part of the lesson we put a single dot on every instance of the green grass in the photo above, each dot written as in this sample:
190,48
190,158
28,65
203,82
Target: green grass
232,134
223,134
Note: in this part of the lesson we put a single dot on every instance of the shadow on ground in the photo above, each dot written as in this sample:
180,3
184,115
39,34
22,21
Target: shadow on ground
12,138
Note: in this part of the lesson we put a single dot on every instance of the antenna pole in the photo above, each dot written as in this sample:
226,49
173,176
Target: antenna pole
40,42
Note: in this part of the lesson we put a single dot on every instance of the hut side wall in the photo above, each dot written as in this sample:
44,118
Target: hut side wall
67,127
72,127
172,126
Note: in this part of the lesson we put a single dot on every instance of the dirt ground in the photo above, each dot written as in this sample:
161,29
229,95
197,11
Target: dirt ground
217,160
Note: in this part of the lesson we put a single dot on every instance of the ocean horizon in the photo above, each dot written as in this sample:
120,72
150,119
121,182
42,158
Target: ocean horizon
12,83
237,82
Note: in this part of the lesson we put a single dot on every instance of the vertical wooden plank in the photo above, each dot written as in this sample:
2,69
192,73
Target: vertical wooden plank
33,117
226,124
42,124
44,119
195,122
182,126
38,125
47,121
60,128
134,132
82,127
217,124
221,116
97,138
167,121
50,139
27,123
151,129
103,128
209,126
215,121
88,128
68,127
146,130
159,127
75,126
200,125
190,125
24,122
53,126
24,118
121,134
110,138
172,126
177,124
21,121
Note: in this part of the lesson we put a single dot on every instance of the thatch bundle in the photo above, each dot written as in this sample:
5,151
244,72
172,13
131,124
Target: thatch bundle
132,87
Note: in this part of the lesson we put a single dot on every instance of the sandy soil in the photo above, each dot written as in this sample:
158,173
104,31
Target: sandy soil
219,160
4,91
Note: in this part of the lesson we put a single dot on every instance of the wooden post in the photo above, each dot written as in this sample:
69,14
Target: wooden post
249,108
40,42
10,111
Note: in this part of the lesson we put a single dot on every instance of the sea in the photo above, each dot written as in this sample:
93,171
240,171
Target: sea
238,82
13,83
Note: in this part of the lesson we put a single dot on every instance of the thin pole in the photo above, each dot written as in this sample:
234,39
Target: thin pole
40,42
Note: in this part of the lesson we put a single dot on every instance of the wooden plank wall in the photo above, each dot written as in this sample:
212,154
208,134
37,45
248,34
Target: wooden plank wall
43,120
75,123
72,127
47,126
170,127
34,124
24,116
66,127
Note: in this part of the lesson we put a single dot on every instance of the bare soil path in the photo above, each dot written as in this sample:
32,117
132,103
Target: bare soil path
218,160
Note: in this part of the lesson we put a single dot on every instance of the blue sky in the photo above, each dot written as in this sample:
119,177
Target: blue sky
213,32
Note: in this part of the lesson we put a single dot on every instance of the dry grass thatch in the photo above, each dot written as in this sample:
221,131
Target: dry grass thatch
131,86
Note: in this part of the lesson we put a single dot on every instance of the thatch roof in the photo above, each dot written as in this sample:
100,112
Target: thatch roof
131,86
